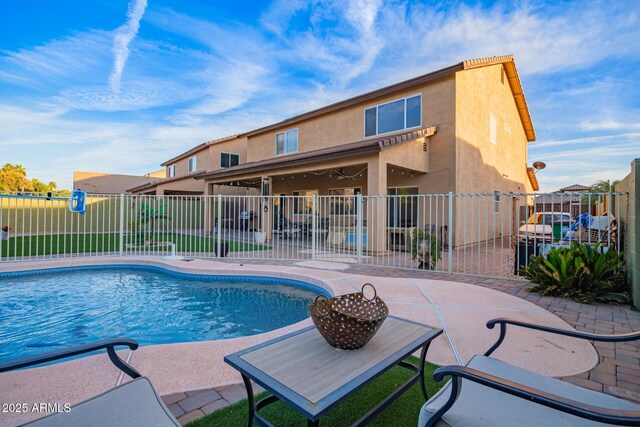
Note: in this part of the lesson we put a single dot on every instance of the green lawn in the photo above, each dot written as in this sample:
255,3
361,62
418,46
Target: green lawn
403,412
110,242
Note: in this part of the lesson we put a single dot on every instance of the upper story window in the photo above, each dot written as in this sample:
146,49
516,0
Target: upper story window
193,163
287,142
404,113
228,160
172,171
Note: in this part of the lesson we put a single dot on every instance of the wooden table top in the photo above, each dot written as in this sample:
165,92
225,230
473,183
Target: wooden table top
304,369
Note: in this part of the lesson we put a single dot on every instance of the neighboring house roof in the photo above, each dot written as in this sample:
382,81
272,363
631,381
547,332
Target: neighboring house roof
200,147
161,181
106,183
337,152
558,198
574,187
506,60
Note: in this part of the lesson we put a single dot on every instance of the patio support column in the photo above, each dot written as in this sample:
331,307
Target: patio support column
376,207
207,208
266,205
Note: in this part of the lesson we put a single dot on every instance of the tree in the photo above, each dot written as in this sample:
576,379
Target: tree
603,186
14,178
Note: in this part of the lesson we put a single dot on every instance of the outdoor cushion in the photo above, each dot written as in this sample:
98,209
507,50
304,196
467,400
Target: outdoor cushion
135,403
478,405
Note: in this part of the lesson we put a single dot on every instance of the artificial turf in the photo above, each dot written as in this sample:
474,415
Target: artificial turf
403,412
69,243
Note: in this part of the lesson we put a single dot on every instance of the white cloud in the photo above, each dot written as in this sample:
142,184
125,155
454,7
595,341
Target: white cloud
78,57
57,144
603,139
235,76
607,124
122,38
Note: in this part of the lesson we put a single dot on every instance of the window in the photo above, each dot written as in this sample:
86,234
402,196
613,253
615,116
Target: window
402,209
287,142
496,201
343,200
228,160
392,116
172,171
493,128
192,163
304,201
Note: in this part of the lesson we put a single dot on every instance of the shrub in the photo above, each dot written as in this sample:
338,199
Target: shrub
581,272
434,246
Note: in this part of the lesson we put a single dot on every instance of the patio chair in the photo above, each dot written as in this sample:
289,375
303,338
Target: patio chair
287,229
135,403
489,392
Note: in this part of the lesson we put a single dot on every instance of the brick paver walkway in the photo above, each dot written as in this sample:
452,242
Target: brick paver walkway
618,372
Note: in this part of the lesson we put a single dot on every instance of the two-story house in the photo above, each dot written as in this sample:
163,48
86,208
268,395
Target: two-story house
460,129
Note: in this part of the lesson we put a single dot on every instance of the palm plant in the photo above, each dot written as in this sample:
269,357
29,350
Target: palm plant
582,272
148,215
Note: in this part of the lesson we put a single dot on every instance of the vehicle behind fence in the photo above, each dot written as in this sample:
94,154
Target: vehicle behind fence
482,234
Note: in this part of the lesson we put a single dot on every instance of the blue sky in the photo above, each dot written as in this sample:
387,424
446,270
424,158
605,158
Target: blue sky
118,86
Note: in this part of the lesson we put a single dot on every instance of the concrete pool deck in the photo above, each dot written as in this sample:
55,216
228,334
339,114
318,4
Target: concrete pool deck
460,309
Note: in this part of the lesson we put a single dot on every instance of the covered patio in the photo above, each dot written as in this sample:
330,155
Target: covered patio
318,191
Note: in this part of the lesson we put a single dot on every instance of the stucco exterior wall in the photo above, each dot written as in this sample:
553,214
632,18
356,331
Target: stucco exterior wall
187,185
182,165
347,125
483,167
234,146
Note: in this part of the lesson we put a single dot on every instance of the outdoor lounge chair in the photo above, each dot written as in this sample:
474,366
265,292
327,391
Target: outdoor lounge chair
489,392
135,403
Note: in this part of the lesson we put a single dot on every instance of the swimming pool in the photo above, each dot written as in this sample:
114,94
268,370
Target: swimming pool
45,310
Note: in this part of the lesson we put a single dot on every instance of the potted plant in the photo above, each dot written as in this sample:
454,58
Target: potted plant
425,249
5,232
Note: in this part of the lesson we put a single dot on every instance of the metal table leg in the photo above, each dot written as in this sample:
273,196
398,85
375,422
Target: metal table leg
252,406
419,376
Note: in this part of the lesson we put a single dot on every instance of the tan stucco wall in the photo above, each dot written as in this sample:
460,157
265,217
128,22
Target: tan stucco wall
182,165
347,125
162,173
234,146
482,166
186,185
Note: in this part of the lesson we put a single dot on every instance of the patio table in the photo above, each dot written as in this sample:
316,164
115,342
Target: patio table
305,372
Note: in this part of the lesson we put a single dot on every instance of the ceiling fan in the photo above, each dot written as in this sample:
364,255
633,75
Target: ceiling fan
342,174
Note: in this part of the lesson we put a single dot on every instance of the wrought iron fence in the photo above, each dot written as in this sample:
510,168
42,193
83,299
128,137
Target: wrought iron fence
482,234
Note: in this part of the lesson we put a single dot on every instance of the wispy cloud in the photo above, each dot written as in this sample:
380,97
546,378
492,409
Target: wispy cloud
583,141
608,124
194,78
121,40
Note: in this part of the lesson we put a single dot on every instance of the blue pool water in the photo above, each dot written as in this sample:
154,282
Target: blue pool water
41,312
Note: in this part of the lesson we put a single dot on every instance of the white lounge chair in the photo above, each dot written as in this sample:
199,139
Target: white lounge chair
135,403
490,392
